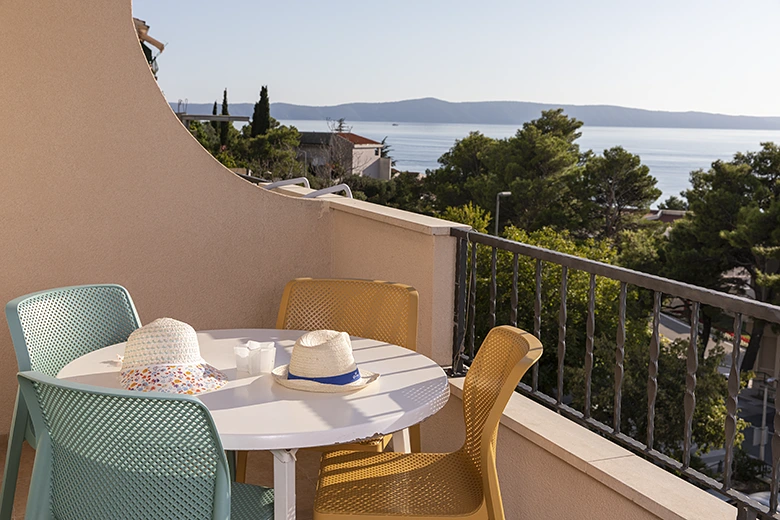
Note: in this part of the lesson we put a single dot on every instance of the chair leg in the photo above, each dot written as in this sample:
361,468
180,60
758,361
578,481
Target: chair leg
401,442
241,457
13,457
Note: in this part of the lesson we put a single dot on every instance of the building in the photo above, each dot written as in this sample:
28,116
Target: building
666,216
344,153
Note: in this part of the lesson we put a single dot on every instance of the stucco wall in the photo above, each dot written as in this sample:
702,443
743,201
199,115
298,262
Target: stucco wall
370,248
550,467
99,182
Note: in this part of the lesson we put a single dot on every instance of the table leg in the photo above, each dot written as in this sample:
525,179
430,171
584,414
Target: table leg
402,442
284,484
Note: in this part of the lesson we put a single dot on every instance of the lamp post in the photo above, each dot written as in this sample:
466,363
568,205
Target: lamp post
305,163
498,201
767,382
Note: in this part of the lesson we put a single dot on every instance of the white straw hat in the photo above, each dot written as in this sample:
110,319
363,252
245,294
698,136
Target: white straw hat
164,356
322,361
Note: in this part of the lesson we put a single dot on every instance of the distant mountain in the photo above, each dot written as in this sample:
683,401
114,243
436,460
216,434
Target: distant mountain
431,110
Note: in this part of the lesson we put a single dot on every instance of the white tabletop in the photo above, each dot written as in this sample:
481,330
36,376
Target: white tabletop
255,413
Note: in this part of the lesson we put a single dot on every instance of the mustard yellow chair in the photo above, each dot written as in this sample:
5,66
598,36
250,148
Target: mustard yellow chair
464,484
382,311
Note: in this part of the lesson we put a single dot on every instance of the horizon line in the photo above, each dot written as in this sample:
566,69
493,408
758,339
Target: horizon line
561,105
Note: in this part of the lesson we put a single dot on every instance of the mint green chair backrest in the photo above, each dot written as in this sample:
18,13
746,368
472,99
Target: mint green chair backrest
123,455
51,328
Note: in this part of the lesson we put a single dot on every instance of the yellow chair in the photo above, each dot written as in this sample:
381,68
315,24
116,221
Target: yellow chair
425,486
382,311
372,309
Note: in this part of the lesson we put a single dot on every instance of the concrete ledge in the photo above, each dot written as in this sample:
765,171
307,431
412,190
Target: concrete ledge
657,491
391,216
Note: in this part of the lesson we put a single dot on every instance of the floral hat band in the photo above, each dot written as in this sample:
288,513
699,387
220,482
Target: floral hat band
164,356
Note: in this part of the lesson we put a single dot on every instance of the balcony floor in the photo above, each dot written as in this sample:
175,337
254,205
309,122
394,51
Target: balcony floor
259,471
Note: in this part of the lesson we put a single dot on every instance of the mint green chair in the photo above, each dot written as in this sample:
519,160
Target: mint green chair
104,453
50,329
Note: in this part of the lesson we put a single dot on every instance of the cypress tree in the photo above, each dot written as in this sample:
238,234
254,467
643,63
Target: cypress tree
214,124
223,126
261,118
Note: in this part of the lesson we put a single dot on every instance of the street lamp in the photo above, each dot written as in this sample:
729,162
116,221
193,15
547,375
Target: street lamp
498,201
305,162
767,382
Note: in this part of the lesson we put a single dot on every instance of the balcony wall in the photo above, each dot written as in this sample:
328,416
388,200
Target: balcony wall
99,182
551,467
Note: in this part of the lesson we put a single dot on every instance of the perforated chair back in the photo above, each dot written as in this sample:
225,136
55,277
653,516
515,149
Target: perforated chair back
123,455
372,309
505,356
51,328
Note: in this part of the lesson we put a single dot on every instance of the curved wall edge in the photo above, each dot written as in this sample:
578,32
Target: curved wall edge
100,182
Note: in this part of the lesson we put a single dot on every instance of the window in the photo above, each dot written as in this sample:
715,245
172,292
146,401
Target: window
376,151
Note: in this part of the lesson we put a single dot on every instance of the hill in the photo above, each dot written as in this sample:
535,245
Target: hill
431,110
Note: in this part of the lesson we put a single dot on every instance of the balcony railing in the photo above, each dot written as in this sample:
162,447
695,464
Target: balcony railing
465,337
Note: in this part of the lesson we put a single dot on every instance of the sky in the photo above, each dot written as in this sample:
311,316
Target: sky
685,55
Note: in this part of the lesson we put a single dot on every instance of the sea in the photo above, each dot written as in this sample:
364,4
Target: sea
670,153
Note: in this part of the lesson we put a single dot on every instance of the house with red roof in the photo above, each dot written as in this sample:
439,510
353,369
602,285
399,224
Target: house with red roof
345,153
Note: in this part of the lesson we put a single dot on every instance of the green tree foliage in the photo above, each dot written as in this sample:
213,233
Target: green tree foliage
673,202
669,423
553,183
385,151
274,152
719,244
469,214
462,170
215,124
224,125
756,234
616,190
539,165
639,248
206,136
261,118
711,387
404,191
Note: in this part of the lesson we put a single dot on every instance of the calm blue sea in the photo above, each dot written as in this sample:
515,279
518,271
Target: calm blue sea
671,153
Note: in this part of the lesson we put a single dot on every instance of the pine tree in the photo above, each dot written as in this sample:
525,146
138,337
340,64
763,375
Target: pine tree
261,118
214,124
223,125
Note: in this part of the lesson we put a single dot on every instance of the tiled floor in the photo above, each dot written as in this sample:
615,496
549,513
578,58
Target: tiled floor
259,471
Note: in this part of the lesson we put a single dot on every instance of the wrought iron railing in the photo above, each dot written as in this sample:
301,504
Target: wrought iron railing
465,338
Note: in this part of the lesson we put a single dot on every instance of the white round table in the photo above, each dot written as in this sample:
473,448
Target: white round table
255,413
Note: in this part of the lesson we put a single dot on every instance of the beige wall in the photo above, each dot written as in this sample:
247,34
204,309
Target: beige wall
370,248
550,467
100,182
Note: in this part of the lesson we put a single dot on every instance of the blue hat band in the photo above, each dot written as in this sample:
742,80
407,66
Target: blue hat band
343,379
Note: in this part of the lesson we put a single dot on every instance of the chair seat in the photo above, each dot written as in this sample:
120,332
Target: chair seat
359,485
372,445
248,502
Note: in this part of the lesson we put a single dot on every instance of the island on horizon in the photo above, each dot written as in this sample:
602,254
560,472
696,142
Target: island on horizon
432,110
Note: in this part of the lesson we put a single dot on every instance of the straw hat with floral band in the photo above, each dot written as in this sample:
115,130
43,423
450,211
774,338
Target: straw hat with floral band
164,356
322,361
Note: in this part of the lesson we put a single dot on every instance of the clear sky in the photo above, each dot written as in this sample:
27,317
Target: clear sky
710,55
